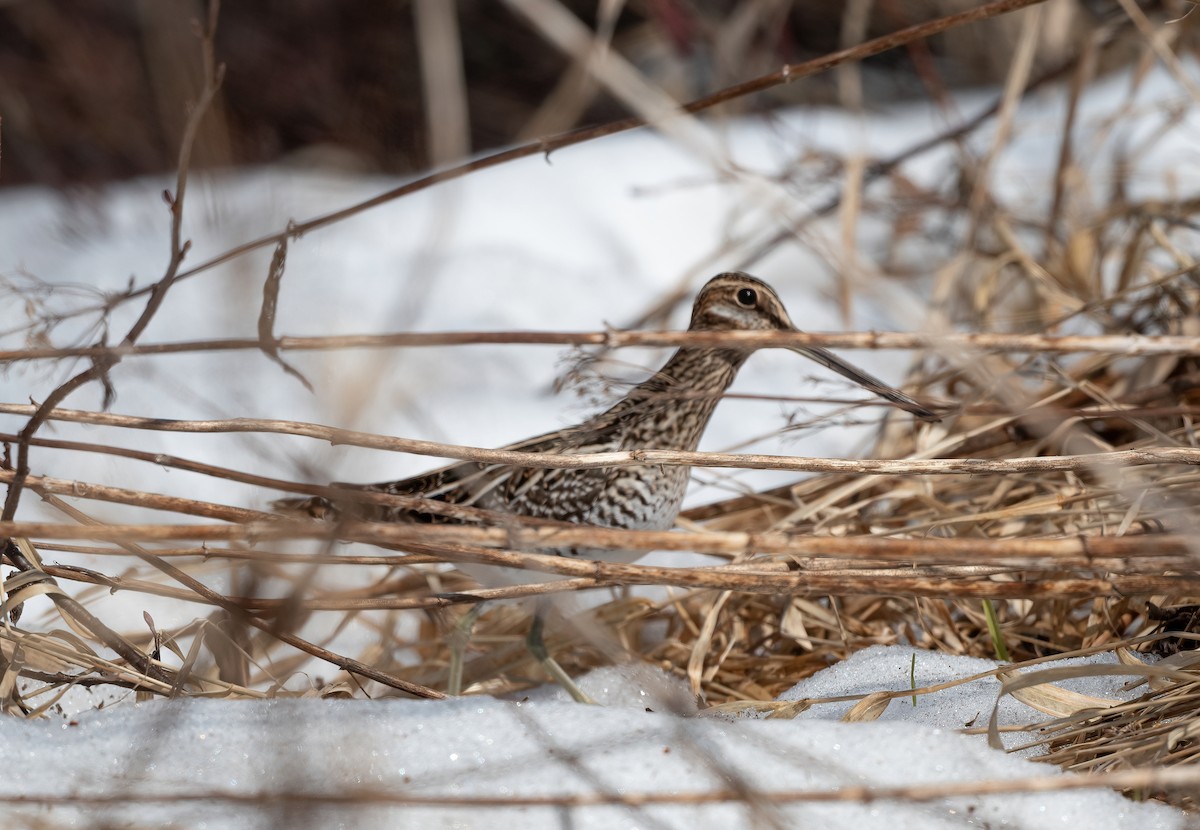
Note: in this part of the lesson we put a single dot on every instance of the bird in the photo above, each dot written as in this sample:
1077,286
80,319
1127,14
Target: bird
668,411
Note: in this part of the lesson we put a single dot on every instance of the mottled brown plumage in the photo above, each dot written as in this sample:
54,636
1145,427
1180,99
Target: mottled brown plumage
668,411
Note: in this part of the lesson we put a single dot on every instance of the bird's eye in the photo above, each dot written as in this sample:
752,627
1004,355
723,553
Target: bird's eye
747,297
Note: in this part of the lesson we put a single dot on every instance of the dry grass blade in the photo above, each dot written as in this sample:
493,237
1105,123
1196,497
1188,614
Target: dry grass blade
266,314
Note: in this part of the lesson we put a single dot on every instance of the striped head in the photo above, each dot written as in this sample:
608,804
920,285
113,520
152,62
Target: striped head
735,301
738,302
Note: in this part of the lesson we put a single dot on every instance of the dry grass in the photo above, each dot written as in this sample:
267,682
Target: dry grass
1081,527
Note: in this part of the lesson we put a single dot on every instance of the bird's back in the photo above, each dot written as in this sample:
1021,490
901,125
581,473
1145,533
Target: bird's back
644,497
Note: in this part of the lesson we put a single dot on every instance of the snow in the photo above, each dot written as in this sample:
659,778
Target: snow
375,760
591,236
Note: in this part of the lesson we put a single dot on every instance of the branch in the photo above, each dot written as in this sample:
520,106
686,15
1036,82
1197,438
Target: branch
1020,551
1120,344
1147,456
1151,779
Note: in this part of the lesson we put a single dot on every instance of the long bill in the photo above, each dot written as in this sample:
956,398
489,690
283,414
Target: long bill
831,361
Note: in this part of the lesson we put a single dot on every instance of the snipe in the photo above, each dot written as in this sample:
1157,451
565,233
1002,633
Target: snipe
669,411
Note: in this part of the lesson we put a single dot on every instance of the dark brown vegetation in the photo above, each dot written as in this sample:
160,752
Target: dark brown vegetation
91,90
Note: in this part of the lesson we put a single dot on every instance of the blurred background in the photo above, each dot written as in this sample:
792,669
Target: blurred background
91,90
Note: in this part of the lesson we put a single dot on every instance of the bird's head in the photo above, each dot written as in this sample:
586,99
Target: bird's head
739,302
735,301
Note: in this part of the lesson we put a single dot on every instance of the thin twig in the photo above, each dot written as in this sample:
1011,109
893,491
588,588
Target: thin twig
986,342
777,543
630,458
213,74
1133,779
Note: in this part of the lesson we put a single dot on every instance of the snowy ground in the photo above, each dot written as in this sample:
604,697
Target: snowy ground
592,237
389,763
